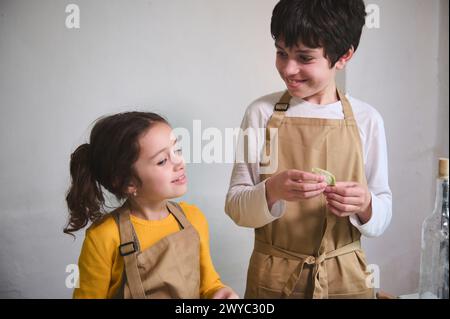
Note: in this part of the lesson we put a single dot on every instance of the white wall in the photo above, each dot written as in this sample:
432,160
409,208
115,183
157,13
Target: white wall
402,70
195,59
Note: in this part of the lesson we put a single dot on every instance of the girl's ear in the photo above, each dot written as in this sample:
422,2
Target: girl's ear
131,189
342,62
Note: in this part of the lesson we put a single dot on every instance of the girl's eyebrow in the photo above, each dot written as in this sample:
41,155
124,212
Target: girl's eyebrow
165,148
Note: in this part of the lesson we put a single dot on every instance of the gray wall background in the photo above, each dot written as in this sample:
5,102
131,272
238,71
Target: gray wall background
188,60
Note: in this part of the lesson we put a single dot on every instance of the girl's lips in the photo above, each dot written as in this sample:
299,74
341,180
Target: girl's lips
180,180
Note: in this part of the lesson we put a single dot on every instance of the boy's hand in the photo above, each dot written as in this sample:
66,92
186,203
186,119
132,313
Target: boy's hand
293,185
225,293
349,198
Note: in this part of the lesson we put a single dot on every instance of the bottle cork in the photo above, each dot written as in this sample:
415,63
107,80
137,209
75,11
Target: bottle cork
443,168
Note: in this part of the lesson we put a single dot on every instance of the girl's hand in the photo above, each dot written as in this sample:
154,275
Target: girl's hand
225,293
293,185
349,198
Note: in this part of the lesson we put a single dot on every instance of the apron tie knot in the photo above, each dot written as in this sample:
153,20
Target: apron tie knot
311,260
319,273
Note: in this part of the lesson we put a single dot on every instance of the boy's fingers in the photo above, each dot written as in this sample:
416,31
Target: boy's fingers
356,200
344,189
307,187
305,176
343,208
296,196
312,194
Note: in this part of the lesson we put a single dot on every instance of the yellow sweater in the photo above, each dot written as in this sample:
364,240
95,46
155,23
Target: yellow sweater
101,266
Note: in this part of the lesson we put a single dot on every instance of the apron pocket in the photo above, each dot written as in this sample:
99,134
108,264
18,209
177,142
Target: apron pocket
347,275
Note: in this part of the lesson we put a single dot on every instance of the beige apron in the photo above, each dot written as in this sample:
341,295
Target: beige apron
168,269
310,252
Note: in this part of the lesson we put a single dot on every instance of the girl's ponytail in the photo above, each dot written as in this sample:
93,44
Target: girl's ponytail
85,197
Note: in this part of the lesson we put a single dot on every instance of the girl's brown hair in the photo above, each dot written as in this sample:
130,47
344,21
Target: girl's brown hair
106,161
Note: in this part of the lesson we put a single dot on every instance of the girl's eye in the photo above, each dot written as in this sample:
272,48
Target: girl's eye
281,54
161,163
179,151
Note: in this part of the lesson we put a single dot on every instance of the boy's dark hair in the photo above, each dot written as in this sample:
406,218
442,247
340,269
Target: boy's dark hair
335,25
106,161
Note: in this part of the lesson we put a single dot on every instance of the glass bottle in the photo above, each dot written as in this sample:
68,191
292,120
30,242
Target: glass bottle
433,283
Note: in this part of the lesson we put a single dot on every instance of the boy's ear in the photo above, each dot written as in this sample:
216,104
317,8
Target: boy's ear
342,62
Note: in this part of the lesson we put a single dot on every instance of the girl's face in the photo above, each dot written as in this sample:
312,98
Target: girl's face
160,165
306,72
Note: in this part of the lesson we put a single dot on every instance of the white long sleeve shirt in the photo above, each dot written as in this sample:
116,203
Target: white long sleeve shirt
246,200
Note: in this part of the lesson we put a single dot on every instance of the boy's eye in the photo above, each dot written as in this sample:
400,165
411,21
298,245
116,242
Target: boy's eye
179,151
161,163
305,58
281,54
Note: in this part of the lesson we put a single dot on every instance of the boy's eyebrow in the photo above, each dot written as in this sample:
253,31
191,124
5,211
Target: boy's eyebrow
174,142
296,51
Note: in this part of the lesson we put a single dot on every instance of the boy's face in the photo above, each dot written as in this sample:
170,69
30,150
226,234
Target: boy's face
306,72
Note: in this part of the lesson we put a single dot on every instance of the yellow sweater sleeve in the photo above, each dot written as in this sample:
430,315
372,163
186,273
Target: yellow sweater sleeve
101,267
97,260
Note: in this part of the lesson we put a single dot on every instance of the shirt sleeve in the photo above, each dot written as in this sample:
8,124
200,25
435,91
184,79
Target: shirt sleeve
246,202
376,169
94,269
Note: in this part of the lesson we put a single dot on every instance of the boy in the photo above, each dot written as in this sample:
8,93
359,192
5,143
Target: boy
307,233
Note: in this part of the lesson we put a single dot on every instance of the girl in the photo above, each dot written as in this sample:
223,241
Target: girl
149,247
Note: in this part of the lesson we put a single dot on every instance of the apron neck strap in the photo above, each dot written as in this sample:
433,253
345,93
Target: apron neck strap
279,112
346,107
126,229
128,250
284,103
176,210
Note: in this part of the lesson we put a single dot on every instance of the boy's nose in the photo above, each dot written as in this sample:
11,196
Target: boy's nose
291,68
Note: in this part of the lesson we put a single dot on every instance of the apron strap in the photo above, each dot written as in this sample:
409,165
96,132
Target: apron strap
279,111
116,214
275,122
129,247
319,274
346,107
176,210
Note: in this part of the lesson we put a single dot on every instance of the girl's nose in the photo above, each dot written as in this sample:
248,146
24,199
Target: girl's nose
176,159
179,165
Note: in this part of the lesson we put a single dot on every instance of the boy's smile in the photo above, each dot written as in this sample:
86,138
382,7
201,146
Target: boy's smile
307,73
